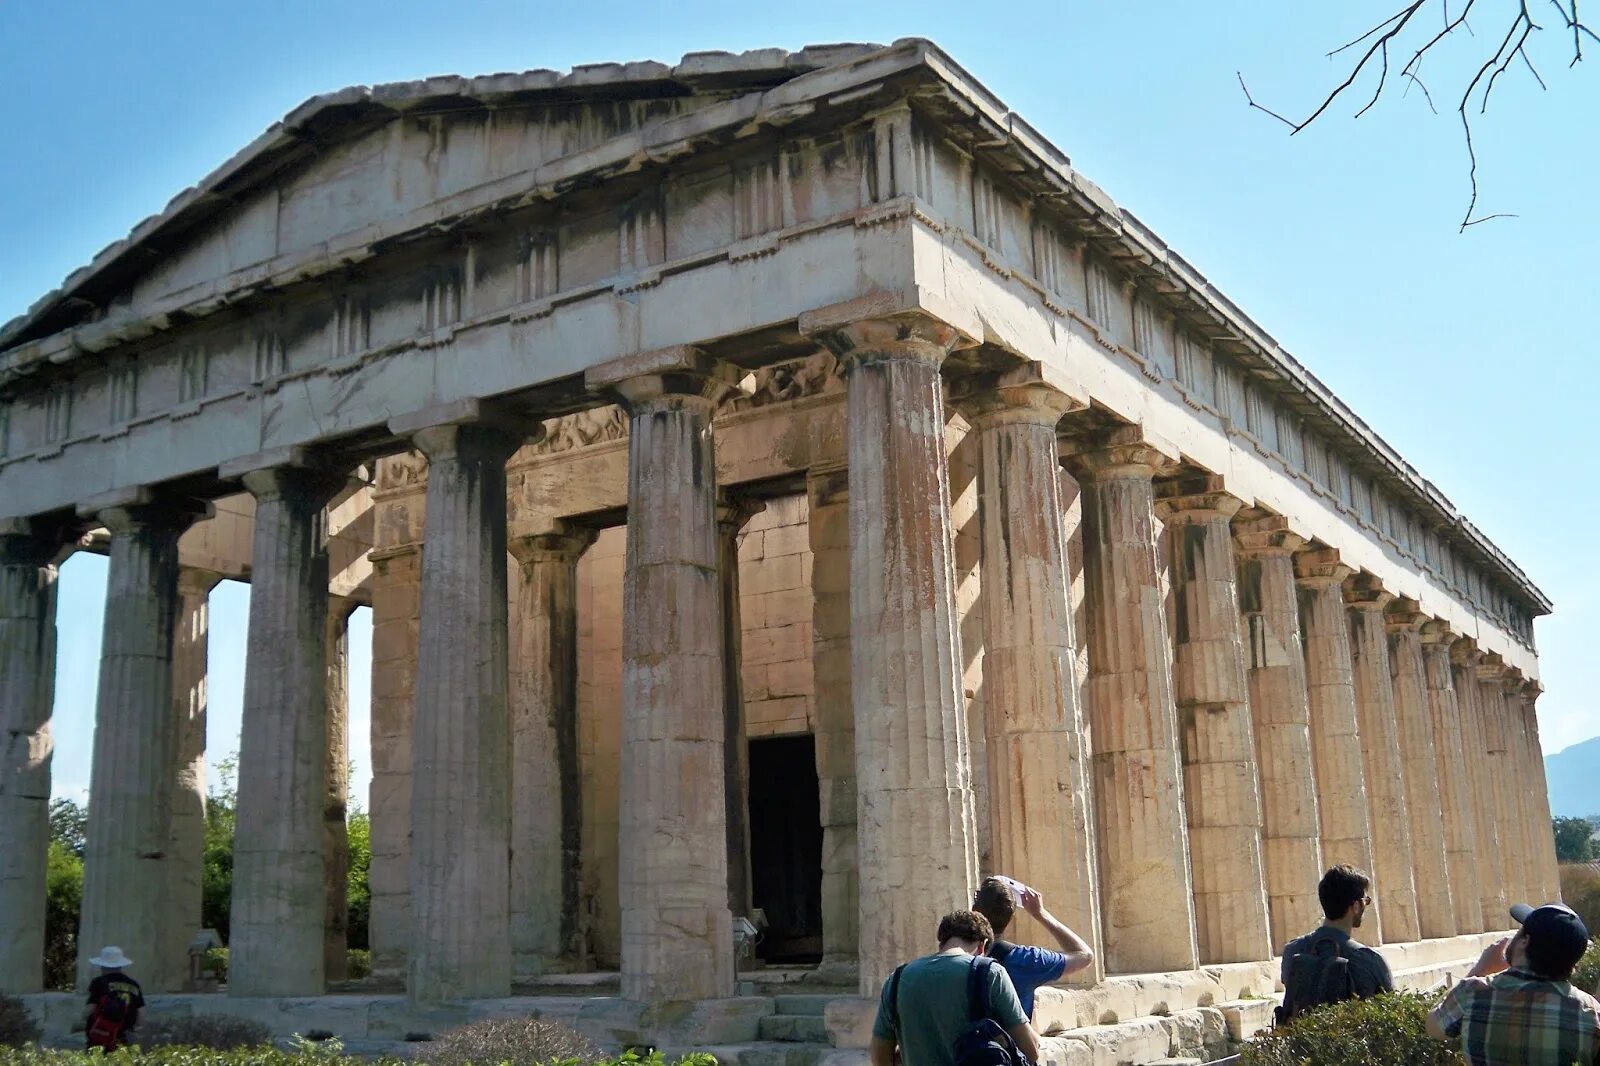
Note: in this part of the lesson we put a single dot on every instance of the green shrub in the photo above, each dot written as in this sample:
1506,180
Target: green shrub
219,1032
358,964
1580,890
63,901
216,960
179,1056
1586,975
1380,1031
509,1042
17,1026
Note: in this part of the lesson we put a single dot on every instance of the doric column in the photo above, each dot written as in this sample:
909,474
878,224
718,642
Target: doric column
130,782
279,908
336,794
1146,902
1450,771
1280,711
1394,893
915,833
27,691
460,945
1500,781
181,917
828,527
732,515
1221,789
1033,726
1335,733
676,928
1419,770
1525,879
396,614
1545,848
546,784
1475,739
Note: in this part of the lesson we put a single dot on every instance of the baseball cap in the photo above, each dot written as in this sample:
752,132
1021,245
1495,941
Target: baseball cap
1555,925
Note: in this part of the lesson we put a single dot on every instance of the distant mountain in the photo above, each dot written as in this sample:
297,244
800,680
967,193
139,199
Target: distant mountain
1573,775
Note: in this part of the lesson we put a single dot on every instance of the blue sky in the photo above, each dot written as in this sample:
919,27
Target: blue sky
1472,354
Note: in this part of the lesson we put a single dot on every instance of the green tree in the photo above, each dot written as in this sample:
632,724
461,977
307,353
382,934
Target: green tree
69,824
359,828
217,881
1573,840
63,904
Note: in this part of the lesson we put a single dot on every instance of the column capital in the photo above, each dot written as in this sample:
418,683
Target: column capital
32,541
141,507
1491,667
562,541
194,581
1032,393
733,512
663,377
860,332
1195,498
1464,652
315,486
1532,690
1403,615
1320,568
469,429
1256,532
1126,451
1437,632
1363,591
1512,681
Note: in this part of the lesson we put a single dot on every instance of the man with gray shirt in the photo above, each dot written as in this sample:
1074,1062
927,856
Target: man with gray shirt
1327,964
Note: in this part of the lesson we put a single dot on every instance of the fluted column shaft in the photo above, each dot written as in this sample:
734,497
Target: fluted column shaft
1475,739
130,783
1519,791
1450,773
1280,711
27,690
1545,858
279,909
1221,789
460,781
1146,903
828,528
1394,893
914,802
396,619
336,795
676,926
732,515
546,792
1038,788
1502,781
1419,772
181,917
1335,733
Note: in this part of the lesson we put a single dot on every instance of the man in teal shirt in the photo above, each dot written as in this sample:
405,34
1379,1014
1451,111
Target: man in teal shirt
931,1001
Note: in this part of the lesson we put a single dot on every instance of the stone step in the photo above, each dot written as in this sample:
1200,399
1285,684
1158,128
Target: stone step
795,1028
810,1003
780,1053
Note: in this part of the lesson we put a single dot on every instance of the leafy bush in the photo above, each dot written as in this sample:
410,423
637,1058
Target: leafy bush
216,960
220,1032
63,902
1380,1031
17,1026
180,1056
510,1042
1586,975
1580,890
358,964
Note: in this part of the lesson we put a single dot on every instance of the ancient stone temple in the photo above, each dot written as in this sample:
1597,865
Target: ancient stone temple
785,489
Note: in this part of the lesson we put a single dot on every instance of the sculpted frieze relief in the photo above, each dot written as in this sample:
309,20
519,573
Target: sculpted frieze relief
796,379
597,425
402,470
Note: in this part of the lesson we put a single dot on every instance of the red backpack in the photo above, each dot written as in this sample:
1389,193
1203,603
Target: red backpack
110,1017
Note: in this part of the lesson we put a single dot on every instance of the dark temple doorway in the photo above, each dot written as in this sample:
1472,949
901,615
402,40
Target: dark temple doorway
786,847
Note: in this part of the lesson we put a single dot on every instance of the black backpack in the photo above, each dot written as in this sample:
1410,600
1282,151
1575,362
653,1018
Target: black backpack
1317,976
984,1042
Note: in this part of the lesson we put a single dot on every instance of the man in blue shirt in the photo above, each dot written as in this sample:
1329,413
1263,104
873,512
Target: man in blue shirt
1028,966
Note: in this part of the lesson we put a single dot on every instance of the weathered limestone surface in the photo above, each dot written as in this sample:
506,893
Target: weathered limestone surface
396,615
130,782
1450,772
1519,791
546,797
27,690
1280,710
1038,793
279,911
676,927
1475,738
336,793
1419,767
461,768
1221,790
1502,782
828,531
916,838
1393,892
1545,859
1335,733
732,515
1146,903
186,848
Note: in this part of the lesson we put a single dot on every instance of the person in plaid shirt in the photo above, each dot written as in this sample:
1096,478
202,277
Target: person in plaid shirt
1515,1007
